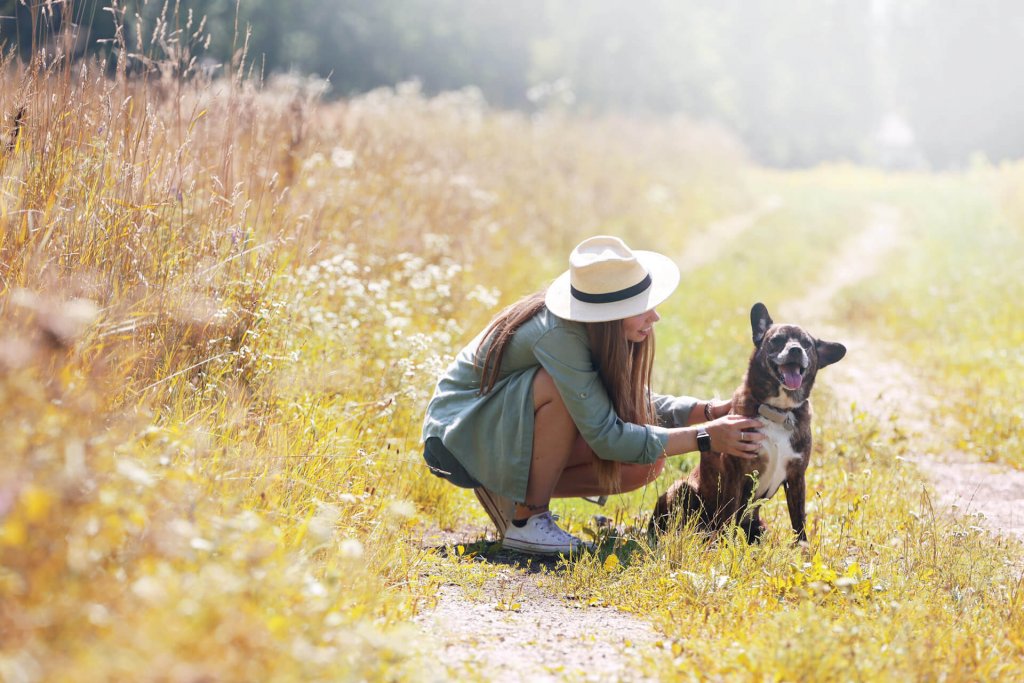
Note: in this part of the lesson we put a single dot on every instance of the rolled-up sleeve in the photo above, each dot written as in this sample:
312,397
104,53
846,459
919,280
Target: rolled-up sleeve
673,411
566,357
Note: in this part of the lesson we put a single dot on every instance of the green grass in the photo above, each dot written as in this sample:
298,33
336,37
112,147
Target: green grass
950,302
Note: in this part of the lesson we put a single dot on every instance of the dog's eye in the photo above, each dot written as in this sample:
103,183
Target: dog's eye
775,343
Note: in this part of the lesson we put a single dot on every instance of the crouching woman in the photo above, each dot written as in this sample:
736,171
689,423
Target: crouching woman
553,398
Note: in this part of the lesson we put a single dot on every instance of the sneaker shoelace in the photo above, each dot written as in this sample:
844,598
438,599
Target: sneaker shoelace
546,524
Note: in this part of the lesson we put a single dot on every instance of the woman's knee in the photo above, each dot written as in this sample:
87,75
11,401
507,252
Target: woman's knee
552,422
545,392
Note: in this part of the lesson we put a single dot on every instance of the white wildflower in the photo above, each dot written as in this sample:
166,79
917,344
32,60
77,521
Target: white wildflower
487,296
313,161
321,526
148,588
403,509
343,158
351,549
134,472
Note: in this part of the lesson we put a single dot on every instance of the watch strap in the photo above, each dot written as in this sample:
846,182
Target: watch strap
703,440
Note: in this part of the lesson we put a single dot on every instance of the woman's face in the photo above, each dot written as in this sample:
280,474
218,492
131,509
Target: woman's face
640,327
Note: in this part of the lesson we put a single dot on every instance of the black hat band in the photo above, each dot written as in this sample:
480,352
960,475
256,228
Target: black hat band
611,297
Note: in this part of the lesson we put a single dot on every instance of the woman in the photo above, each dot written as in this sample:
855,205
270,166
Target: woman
553,400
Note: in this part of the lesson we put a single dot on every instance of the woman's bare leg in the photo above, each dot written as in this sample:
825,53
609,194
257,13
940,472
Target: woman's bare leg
579,477
563,465
554,433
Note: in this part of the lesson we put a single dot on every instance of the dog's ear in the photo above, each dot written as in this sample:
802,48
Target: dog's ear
760,321
829,352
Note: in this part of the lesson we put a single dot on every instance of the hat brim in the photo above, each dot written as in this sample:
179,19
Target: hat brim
664,280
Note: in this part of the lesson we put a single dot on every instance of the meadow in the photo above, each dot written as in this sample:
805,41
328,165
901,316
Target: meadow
224,305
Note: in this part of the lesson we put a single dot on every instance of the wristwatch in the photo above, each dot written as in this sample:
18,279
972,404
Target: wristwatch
703,440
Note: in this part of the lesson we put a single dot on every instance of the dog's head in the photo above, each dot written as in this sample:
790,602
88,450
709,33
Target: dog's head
785,360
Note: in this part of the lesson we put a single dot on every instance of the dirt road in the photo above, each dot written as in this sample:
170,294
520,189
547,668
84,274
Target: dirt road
871,377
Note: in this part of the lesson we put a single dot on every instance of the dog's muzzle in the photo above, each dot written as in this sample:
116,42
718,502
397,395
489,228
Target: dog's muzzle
792,363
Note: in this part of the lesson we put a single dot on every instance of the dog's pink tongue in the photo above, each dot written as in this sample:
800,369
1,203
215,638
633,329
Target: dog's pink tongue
792,375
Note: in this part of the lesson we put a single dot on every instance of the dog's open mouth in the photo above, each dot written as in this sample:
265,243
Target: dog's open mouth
792,375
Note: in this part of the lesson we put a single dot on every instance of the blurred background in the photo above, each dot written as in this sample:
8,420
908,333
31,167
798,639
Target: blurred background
894,83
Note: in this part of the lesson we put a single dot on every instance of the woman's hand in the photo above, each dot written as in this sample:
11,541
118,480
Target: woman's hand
734,435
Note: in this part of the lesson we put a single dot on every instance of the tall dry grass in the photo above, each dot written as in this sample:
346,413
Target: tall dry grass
223,303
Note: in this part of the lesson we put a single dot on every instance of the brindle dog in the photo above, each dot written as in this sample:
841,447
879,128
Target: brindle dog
776,390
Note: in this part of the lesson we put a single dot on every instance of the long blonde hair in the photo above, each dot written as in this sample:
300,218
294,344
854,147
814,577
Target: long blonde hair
624,367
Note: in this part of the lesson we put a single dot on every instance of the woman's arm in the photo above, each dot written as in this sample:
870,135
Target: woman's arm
731,434
709,409
683,411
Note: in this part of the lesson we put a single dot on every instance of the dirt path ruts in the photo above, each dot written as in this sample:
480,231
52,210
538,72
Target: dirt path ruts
871,377
709,243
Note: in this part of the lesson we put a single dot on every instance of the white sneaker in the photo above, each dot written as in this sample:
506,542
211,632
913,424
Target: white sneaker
542,536
499,508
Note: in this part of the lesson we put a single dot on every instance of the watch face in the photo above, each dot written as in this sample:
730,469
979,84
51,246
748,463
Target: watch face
703,441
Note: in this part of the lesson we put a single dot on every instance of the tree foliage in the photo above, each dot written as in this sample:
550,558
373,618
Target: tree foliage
799,81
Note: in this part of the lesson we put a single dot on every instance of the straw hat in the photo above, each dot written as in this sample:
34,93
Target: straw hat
607,280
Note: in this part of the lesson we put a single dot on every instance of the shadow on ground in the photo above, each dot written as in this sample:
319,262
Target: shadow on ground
483,549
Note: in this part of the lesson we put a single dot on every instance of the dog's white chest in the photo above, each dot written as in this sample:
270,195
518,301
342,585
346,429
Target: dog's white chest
776,452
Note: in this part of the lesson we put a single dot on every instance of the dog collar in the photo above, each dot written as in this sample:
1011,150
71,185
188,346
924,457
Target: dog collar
781,417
